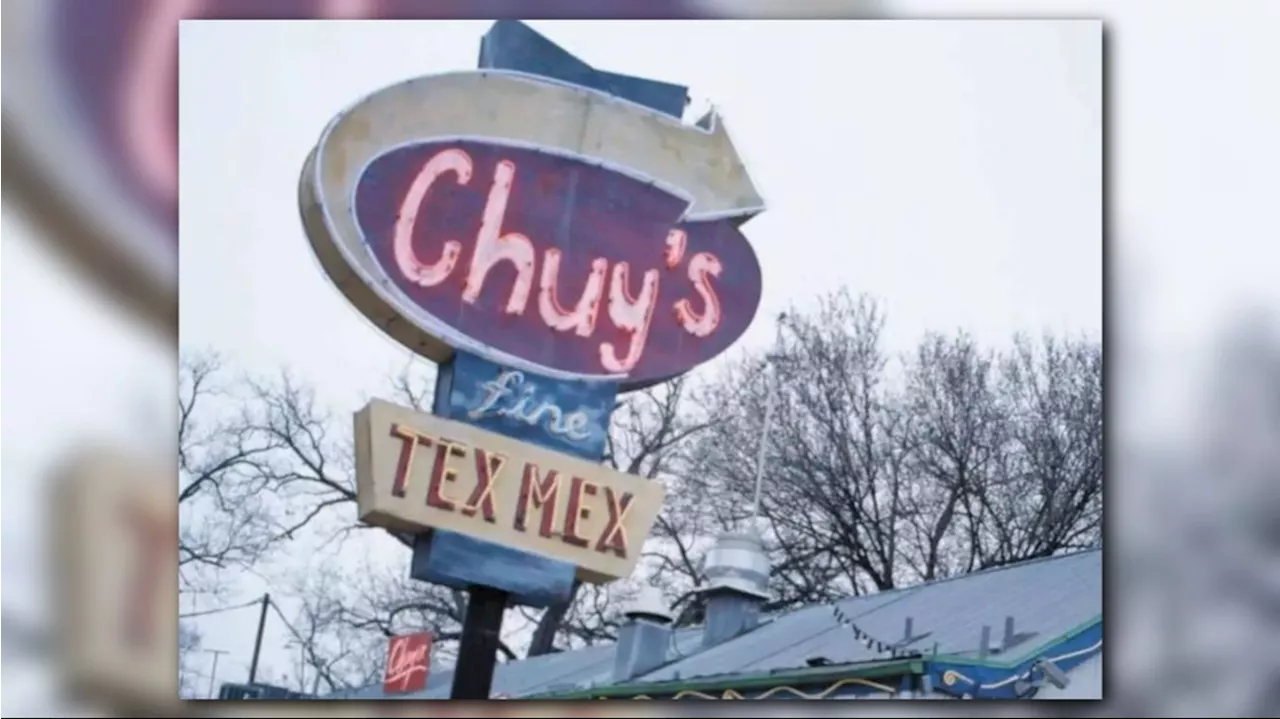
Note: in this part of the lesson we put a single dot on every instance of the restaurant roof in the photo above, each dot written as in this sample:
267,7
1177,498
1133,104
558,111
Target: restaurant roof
1041,601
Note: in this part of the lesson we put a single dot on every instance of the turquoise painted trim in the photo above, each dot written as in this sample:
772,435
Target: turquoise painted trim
965,677
1044,646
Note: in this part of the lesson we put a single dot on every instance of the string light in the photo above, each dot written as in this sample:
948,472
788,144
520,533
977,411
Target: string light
895,650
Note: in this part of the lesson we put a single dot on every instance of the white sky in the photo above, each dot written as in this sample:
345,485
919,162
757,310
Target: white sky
951,169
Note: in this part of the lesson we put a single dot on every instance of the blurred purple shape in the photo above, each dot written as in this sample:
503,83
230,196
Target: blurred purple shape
118,60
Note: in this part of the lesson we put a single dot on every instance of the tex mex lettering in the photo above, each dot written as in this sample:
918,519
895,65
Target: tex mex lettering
455,468
628,308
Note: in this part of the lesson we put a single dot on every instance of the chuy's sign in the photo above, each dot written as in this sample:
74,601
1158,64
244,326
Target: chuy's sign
545,226
416,472
547,244
408,663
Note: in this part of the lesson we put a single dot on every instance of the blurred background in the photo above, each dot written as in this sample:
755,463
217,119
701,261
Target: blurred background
89,311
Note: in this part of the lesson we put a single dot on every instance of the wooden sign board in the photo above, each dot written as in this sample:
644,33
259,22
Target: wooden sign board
416,472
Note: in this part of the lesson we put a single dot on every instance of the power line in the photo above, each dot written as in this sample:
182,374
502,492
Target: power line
280,613
207,612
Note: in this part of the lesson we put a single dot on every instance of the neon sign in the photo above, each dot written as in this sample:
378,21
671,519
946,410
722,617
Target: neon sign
408,663
551,259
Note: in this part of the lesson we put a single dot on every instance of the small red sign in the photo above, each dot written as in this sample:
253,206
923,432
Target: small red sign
408,663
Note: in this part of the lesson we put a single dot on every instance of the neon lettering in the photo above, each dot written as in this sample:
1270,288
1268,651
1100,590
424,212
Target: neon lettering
405,465
492,247
407,657
629,314
629,309
488,467
576,511
702,268
573,425
677,240
614,537
582,318
542,493
414,269
441,472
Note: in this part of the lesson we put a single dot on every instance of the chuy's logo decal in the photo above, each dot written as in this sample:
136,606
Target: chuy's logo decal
523,249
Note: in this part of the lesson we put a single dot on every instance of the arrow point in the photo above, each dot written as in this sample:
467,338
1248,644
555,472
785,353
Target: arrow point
749,202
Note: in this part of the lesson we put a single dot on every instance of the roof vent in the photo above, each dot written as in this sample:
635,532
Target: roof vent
650,605
738,563
644,638
737,570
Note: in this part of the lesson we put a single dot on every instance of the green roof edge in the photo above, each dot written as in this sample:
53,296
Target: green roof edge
863,670
860,670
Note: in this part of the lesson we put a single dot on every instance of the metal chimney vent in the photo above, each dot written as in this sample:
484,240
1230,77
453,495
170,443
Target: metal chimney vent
738,563
644,638
650,605
737,570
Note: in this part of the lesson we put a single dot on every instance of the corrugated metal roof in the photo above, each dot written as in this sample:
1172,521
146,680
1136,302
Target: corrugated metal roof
1046,598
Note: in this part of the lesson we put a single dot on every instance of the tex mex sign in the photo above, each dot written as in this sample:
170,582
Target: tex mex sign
548,227
420,472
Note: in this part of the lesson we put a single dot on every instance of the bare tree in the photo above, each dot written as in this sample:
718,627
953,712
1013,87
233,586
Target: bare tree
290,462
879,474
1045,495
310,476
882,474
336,648
831,501
224,514
956,431
189,641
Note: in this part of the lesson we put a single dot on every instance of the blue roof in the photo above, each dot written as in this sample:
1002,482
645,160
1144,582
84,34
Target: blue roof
1047,598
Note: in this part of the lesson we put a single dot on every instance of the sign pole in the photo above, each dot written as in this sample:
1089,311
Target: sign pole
478,648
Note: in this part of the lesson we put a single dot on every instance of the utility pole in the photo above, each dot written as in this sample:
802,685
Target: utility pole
771,377
213,674
257,644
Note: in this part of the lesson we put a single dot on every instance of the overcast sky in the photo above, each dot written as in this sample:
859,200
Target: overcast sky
952,169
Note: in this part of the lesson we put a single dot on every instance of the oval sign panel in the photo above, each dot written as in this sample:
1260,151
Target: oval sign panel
537,257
